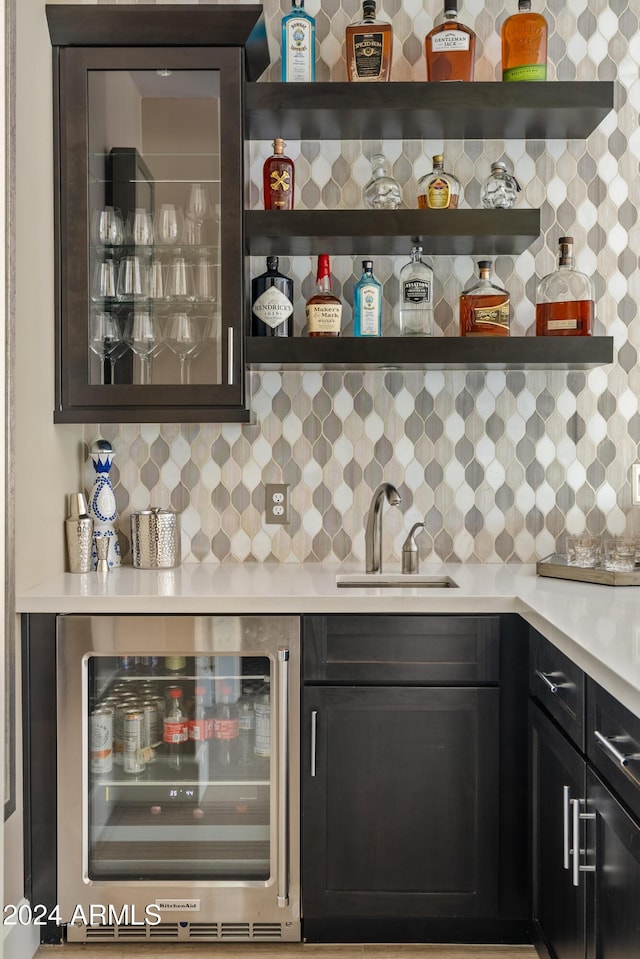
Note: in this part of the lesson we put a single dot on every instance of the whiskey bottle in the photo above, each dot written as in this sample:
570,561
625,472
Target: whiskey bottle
272,302
524,45
485,308
382,192
367,303
450,48
324,309
369,42
278,179
439,190
416,296
298,45
565,298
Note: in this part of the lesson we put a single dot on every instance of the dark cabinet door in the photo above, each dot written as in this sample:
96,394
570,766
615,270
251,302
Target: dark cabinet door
558,776
400,801
613,846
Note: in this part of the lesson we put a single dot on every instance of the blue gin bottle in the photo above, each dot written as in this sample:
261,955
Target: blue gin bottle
298,45
367,303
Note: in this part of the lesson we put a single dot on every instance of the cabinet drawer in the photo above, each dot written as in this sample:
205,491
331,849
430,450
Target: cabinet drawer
401,649
613,743
559,685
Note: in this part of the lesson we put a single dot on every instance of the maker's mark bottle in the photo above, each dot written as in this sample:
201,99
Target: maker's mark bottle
324,309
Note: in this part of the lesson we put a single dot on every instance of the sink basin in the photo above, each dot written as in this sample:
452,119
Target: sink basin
391,580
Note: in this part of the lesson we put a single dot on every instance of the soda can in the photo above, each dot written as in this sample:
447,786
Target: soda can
123,706
101,740
133,739
152,737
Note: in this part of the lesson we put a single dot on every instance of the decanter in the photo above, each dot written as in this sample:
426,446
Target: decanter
500,189
102,502
382,192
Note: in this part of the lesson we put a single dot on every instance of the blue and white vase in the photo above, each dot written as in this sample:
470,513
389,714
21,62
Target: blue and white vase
102,502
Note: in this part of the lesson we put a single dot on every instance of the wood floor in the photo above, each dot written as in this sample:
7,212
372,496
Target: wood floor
283,951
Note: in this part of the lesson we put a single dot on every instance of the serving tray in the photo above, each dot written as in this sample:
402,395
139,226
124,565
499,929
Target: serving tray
557,566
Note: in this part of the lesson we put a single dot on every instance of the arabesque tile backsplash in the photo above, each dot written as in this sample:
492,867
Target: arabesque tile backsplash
499,464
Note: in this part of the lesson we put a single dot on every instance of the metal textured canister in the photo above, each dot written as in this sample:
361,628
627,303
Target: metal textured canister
155,539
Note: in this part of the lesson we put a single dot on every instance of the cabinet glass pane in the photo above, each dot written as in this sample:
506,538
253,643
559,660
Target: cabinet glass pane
154,227
179,767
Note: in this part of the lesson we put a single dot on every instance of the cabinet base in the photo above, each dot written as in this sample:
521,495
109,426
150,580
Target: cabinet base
418,929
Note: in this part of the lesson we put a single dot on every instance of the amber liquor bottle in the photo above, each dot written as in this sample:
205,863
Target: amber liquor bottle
278,179
369,44
524,45
439,190
324,309
450,48
565,298
272,302
485,308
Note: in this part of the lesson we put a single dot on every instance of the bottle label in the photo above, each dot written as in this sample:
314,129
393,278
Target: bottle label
175,731
368,48
273,307
201,729
226,728
417,291
298,51
532,71
279,182
450,40
496,315
563,324
324,317
369,310
438,194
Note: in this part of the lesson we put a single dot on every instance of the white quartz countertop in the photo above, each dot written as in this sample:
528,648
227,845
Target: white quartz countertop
598,627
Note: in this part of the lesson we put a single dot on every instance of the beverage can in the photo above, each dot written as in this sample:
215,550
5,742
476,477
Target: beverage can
101,740
133,739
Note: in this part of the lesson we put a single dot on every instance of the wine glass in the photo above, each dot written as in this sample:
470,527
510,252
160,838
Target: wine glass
180,285
132,279
183,337
169,224
199,203
104,280
107,228
104,338
139,230
143,334
205,280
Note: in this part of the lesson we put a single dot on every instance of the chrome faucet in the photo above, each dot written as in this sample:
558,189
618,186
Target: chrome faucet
373,532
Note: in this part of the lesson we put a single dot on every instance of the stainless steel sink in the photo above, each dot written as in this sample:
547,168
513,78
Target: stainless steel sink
394,580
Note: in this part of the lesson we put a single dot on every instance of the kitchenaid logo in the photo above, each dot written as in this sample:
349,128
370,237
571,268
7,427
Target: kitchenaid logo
178,905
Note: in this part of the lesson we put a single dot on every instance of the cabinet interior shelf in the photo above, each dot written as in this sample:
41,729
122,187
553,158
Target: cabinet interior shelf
390,232
429,353
482,110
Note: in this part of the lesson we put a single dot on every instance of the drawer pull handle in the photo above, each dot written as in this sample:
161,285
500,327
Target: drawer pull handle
607,744
551,686
566,828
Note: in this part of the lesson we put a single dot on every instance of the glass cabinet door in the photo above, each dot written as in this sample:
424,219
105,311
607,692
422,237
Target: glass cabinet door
151,305
179,768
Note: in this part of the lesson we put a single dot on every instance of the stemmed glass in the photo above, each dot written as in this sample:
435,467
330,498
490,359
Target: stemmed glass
132,279
205,277
107,228
143,334
139,229
183,336
104,339
199,203
180,285
169,224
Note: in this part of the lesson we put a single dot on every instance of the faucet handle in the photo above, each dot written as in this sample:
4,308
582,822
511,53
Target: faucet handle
410,550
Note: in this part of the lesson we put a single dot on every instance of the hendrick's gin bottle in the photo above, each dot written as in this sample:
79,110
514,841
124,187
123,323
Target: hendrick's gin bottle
272,302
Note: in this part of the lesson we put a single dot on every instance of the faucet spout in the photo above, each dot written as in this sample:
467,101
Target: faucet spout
373,532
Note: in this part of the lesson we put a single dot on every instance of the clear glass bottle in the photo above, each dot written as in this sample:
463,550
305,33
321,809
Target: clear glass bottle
298,45
382,192
272,302
416,296
324,309
485,307
175,732
524,45
450,48
369,44
278,174
439,189
226,730
500,189
565,298
367,303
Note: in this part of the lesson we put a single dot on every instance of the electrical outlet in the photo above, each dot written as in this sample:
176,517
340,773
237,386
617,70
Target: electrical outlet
635,484
277,505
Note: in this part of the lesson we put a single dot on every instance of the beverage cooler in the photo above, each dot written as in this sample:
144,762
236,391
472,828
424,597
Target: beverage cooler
178,777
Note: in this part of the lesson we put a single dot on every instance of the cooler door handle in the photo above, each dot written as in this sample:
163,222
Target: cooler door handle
283,778
314,739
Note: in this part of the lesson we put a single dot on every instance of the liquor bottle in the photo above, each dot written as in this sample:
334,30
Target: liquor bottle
226,729
323,309
263,719
102,502
565,298
298,45
524,45
382,192
278,179
450,48
175,730
416,296
369,43
367,303
439,190
272,302
485,308
500,189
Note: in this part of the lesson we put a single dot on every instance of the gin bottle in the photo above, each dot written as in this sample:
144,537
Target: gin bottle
382,192
565,298
367,303
416,296
298,45
272,302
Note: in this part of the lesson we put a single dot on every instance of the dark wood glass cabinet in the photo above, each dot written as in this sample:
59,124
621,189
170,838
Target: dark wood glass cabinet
149,152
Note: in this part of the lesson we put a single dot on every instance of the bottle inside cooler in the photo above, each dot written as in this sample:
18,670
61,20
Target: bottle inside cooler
226,731
176,730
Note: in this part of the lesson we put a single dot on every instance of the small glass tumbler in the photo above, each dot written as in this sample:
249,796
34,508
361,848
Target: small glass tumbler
584,551
500,189
620,553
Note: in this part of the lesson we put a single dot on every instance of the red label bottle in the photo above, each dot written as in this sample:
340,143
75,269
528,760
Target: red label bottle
278,178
